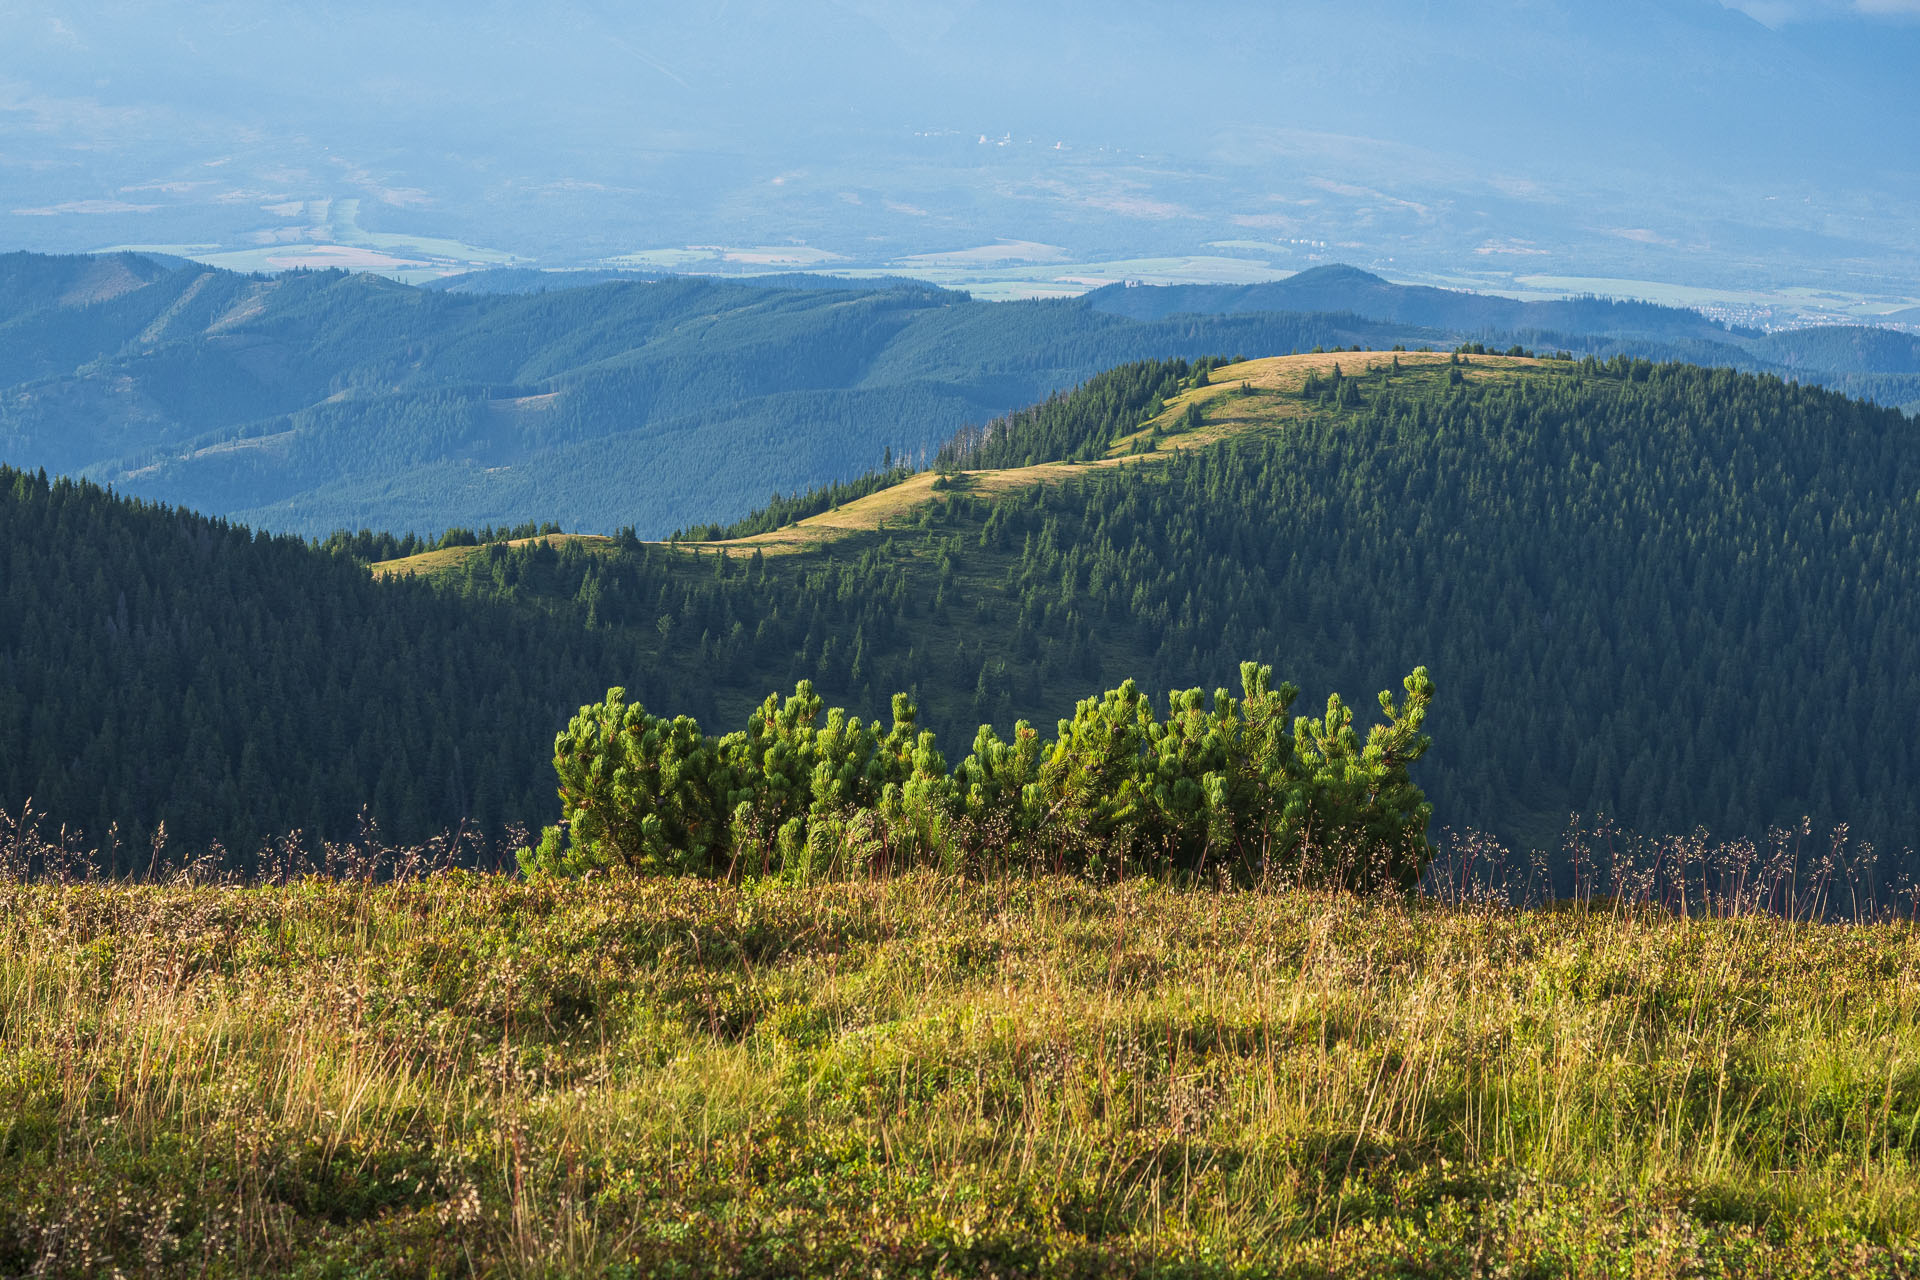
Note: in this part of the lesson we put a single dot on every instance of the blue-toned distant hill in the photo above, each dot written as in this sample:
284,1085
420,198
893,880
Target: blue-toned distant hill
1344,288
1882,365
314,400
1878,364
537,280
311,401
533,280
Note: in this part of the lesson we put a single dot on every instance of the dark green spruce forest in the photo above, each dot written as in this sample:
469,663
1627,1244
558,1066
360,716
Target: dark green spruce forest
160,666
1679,596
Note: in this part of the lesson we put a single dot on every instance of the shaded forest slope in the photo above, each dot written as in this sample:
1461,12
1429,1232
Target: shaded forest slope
1677,595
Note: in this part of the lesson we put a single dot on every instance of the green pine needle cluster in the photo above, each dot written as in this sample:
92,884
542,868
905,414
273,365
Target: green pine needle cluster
1234,787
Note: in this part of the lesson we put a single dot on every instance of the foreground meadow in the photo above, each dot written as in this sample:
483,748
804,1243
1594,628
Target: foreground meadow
926,1076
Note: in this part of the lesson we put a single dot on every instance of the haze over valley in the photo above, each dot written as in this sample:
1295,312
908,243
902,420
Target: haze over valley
1677,150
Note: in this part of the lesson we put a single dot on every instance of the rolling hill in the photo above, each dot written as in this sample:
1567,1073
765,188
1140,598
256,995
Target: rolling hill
1879,364
1344,288
1674,595
1653,591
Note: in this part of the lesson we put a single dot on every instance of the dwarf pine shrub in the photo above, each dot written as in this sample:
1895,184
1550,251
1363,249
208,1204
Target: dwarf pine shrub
1229,785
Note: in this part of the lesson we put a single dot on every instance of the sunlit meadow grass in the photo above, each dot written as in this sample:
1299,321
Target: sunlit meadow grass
474,1074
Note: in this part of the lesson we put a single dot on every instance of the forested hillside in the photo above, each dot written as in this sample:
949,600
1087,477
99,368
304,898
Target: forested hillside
1660,592
157,665
1676,595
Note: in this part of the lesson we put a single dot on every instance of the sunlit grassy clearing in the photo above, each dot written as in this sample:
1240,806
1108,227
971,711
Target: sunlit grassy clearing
448,558
1226,414
528,1079
1279,379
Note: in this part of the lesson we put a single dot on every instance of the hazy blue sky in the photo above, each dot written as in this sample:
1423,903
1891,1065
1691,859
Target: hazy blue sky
1780,13
1503,141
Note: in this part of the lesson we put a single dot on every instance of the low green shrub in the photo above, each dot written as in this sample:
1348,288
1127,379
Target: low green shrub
1232,786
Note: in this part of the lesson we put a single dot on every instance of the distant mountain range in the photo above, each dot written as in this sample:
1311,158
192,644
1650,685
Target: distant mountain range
1344,288
310,401
1677,141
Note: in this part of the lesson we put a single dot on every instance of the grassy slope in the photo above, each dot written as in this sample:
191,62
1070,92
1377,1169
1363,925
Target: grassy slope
923,1076
432,562
1276,382
1278,378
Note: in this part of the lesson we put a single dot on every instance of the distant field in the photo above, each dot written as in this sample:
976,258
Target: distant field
995,273
1795,305
405,259
476,1075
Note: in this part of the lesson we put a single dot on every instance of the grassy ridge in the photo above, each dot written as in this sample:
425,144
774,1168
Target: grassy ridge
1228,414
1226,409
475,1075
440,559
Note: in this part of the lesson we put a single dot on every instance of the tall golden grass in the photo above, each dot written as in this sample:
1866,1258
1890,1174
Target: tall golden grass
474,1074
